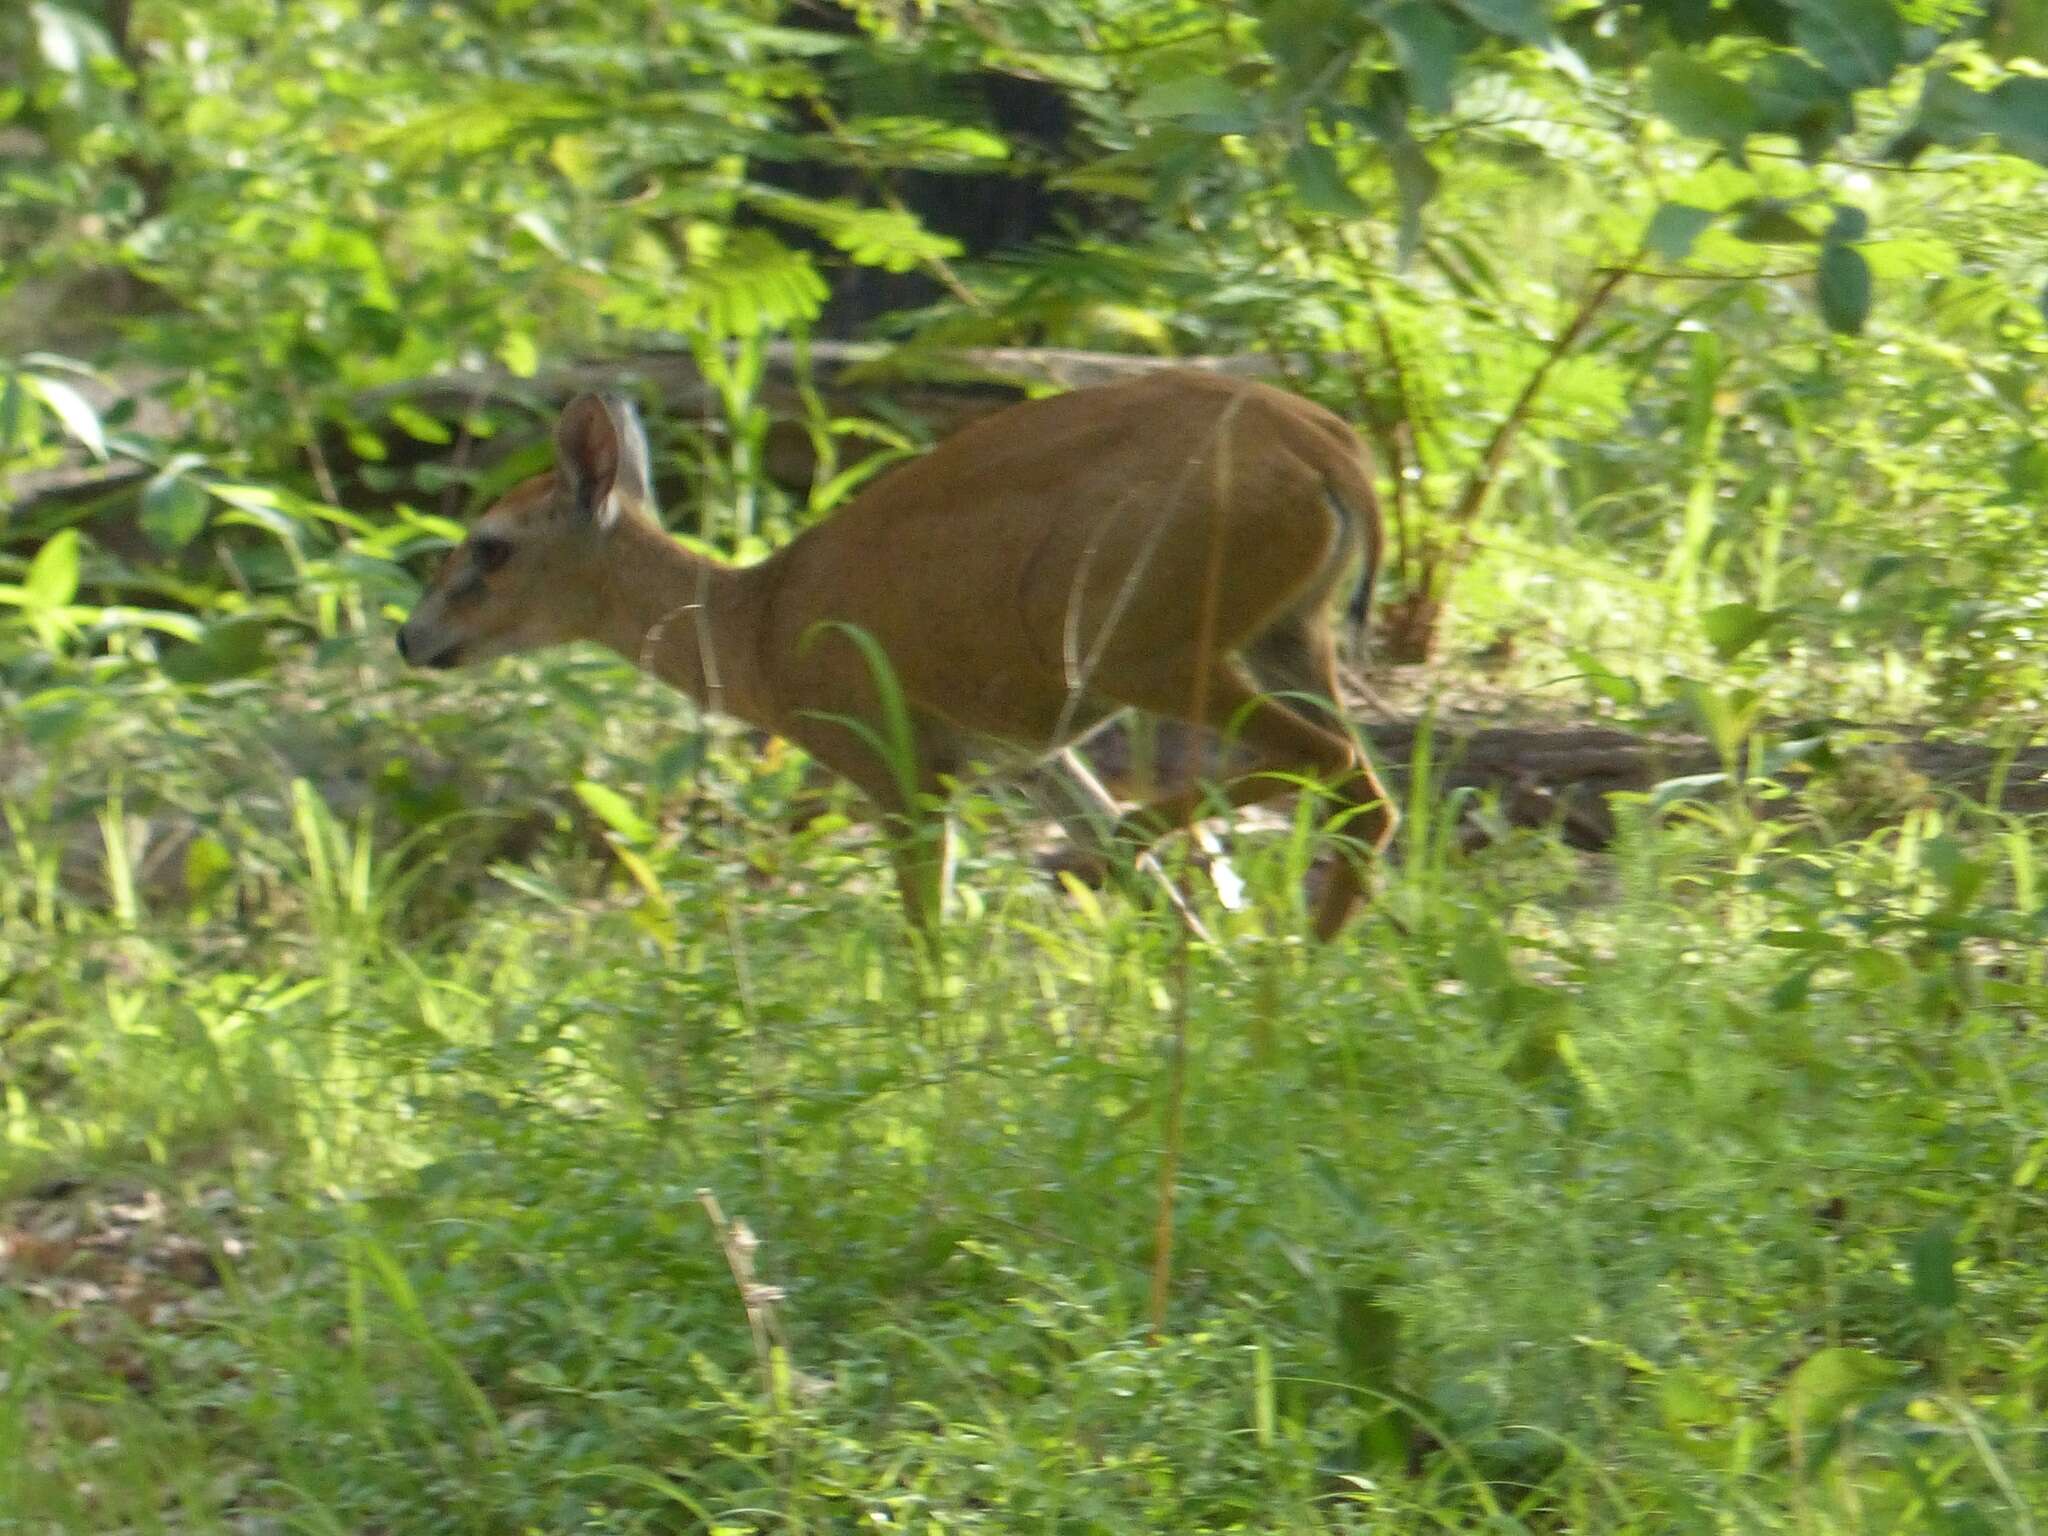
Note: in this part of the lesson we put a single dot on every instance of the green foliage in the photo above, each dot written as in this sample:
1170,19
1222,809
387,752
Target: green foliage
1633,1194
383,1102
284,218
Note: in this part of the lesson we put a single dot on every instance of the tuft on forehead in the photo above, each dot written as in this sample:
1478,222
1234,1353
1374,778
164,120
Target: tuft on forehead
522,506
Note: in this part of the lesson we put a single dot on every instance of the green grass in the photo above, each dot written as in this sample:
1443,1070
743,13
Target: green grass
353,1162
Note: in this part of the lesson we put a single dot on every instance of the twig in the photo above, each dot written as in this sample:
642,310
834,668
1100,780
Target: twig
1709,277
1091,787
323,476
1465,511
737,1239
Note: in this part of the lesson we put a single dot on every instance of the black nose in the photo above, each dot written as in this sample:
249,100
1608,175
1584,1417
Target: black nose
403,654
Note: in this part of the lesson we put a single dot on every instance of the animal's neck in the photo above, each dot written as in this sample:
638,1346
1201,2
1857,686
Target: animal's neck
692,622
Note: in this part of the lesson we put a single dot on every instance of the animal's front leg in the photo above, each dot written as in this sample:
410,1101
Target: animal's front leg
921,849
909,812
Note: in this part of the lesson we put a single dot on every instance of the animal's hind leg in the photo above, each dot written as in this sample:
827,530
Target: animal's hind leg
1059,794
1299,660
1277,740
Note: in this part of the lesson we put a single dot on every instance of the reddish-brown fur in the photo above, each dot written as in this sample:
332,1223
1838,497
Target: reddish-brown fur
1169,543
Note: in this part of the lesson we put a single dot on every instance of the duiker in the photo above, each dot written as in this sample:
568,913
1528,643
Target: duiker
1170,544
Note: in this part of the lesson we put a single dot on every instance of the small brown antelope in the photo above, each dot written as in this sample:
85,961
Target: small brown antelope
1168,544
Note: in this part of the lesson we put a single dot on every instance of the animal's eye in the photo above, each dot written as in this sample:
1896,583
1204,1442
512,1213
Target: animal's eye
489,553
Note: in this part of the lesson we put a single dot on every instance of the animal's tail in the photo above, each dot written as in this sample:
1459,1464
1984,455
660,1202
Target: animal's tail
1359,610
1353,499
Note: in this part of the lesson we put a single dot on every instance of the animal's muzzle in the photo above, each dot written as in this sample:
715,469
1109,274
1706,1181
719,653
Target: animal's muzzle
410,653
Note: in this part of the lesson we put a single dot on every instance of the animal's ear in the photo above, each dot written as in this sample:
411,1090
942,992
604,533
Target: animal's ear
601,457
636,480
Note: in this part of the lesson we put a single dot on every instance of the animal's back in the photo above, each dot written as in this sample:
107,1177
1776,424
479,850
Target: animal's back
1069,535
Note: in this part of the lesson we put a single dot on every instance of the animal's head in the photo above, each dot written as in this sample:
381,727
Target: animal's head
534,569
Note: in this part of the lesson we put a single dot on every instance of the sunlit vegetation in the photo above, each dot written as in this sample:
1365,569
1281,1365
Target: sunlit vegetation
509,1101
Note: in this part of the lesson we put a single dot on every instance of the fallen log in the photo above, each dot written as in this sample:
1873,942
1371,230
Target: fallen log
940,390
1561,776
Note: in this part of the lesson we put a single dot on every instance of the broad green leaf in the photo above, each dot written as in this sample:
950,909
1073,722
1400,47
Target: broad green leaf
418,425
1815,752
1385,117
1674,227
118,198
1858,42
230,648
1950,113
1613,687
1688,1399
282,526
173,511
249,498
1843,288
1829,1384
1416,180
519,355
1426,46
1526,21
1766,221
1795,97
1204,101
1733,628
180,626
577,157
208,865
71,408
2026,472
543,232
1089,913
1851,224
1698,99
1809,940
1791,994
1726,717
1933,1257
615,811
2017,111
658,915
1319,184
57,717
417,804
1307,38
52,580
